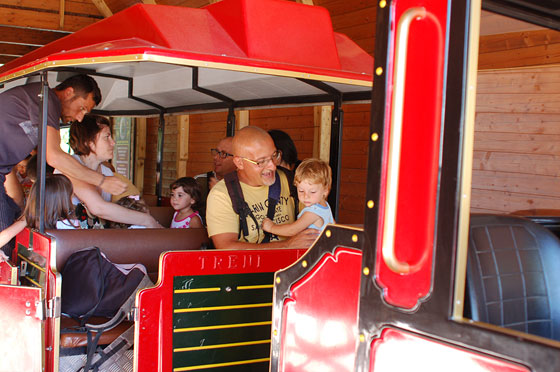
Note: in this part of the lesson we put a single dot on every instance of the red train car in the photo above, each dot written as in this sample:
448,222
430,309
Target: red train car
422,285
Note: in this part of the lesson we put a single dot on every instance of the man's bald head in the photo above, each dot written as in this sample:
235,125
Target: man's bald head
251,144
249,137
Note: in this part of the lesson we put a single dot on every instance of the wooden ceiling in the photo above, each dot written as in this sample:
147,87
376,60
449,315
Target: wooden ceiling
29,24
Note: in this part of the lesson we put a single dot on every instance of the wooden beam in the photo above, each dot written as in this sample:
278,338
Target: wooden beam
140,154
28,36
14,49
45,20
183,126
322,132
61,11
149,2
241,119
6,59
213,1
306,2
103,8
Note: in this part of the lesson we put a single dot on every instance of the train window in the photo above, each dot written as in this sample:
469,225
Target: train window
515,173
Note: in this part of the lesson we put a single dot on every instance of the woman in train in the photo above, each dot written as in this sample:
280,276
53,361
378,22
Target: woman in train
93,144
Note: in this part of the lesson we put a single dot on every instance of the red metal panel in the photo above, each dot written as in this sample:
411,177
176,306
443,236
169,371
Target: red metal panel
426,355
153,343
8,273
319,324
42,252
20,330
409,280
279,31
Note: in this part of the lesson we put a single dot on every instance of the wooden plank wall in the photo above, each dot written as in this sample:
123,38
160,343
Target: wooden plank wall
516,163
356,19
517,140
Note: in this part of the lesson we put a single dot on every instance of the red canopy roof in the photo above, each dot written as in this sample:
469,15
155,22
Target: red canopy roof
271,34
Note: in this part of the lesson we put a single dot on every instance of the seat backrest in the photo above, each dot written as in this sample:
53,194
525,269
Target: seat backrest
128,246
512,274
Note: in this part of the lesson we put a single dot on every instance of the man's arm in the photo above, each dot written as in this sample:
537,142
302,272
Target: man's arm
9,232
291,229
14,189
302,240
70,167
96,205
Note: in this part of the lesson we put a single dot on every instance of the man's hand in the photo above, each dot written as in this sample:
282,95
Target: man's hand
303,240
113,185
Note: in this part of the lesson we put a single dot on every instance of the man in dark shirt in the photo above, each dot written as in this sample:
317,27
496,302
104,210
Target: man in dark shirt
19,128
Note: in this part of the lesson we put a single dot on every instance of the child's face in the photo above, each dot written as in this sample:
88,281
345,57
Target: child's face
311,193
180,199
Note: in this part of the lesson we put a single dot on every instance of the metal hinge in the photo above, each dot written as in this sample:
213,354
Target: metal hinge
53,308
133,315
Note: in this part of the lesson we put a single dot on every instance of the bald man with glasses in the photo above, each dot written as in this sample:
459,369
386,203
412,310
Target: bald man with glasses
223,164
255,158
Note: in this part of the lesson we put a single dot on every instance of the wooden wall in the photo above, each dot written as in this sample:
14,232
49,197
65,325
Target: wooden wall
519,49
517,140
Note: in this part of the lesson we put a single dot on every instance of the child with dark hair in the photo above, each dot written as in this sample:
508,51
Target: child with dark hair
133,202
185,199
59,211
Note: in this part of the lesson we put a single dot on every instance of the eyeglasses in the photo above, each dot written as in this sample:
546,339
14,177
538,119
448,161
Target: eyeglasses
275,158
221,154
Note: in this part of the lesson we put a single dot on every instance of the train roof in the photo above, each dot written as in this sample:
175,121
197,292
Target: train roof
150,59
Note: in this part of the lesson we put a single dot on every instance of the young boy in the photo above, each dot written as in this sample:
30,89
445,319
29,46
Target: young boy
313,181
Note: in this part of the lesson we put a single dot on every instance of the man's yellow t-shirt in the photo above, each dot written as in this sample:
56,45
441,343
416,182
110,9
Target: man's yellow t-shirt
221,218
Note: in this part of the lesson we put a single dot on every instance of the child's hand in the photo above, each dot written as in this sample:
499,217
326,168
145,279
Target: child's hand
267,225
3,257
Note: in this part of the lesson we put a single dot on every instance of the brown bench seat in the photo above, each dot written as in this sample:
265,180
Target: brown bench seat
127,246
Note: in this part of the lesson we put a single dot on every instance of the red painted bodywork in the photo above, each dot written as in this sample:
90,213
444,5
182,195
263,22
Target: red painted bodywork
319,319
418,173
268,34
397,351
20,329
48,291
153,344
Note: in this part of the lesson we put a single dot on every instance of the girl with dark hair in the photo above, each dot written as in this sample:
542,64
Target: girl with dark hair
185,199
59,211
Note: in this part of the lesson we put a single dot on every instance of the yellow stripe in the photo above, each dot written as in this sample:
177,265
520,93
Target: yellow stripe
203,366
198,290
263,286
221,326
219,346
31,263
215,308
33,281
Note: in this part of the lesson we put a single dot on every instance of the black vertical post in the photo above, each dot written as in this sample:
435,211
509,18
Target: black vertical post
336,154
42,150
159,165
230,130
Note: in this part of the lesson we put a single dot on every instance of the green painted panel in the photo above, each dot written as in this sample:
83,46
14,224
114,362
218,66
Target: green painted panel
222,322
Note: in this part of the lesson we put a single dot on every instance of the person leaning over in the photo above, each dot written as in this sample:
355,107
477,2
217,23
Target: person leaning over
19,128
255,157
